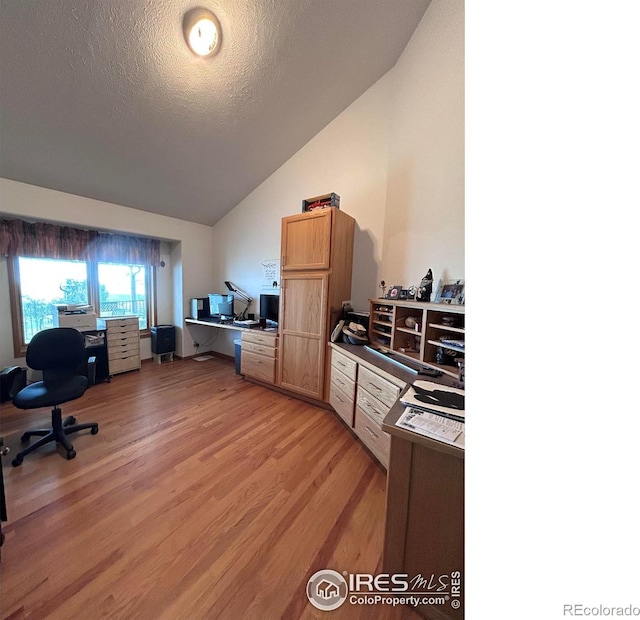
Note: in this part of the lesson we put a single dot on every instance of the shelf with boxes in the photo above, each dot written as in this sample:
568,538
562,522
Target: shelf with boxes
427,333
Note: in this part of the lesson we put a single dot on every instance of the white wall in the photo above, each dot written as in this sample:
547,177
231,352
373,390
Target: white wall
424,217
188,265
395,157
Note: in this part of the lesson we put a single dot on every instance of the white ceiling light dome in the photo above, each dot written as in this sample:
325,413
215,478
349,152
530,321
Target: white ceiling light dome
202,32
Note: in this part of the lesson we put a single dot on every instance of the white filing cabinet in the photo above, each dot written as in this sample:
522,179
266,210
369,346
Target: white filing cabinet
123,342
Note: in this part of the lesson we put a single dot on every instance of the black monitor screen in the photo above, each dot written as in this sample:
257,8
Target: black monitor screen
221,305
269,305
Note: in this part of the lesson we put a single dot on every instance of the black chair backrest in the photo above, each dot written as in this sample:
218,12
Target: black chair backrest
58,352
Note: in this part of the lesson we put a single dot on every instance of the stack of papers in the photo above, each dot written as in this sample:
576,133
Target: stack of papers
435,411
436,398
433,426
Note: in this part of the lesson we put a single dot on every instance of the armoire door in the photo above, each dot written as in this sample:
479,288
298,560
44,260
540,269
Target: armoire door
303,332
306,241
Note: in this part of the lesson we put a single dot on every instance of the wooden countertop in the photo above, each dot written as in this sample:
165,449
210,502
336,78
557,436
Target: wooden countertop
394,372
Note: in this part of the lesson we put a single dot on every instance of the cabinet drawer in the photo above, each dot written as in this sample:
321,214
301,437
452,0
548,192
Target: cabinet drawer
374,408
347,385
258,367
344,364
258,337
260,349
122,352
341,401
372,436
121,325
124,364
120,340
382,389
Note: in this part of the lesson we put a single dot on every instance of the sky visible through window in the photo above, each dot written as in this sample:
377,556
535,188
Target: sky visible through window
42,278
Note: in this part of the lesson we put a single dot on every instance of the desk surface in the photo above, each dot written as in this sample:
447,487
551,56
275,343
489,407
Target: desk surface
230,325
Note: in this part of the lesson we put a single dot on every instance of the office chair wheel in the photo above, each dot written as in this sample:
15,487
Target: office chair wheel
71,454
94,431
25,438
17,461
69,421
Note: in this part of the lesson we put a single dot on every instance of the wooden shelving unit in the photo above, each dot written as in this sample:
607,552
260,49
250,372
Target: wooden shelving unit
427,333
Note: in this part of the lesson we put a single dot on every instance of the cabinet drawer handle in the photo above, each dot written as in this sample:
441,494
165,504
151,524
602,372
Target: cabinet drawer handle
374,386
338,398
366,428
373,408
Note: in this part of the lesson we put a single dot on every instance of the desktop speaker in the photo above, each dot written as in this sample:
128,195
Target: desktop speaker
163,339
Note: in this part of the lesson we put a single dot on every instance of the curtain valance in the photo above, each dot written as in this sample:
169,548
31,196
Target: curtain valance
42,240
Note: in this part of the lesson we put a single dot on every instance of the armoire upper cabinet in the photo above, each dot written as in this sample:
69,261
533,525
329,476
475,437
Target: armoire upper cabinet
306,240
316,266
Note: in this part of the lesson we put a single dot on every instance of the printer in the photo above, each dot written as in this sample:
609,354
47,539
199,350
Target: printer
80,316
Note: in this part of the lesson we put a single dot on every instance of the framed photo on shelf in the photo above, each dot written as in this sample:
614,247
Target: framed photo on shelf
394,292
450,292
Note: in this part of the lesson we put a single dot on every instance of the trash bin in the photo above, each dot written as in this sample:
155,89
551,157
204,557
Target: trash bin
238,348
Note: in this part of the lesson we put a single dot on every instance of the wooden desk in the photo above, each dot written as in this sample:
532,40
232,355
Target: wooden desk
424,529
229,325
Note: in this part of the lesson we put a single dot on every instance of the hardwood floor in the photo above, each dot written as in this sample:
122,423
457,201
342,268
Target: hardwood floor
202,496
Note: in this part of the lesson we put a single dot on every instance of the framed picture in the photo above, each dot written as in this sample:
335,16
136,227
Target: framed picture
450,292
394,292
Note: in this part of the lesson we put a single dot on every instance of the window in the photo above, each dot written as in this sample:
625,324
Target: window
114,289
123,290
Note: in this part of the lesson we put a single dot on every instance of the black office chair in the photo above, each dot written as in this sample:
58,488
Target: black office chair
61,356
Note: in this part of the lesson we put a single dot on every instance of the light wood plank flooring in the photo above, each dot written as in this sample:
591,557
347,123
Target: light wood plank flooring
202,496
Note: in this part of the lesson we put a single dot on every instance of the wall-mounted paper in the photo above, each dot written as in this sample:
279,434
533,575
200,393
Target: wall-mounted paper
271,274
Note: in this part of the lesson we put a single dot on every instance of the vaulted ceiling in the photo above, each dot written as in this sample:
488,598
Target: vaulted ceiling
103,99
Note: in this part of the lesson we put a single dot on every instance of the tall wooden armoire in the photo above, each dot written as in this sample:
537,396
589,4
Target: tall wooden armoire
316,266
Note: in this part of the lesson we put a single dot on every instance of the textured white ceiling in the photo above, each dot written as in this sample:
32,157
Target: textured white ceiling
102,98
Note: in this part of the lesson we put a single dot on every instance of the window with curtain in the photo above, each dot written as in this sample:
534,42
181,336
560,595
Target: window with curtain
52,264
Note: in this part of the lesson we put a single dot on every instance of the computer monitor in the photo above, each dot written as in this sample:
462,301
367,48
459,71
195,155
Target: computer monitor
221,305
269,308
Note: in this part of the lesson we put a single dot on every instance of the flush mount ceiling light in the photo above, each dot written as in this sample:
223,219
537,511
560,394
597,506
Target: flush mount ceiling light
202,32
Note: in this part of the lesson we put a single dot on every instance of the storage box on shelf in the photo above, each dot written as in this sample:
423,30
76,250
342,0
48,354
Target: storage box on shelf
427,333
259,355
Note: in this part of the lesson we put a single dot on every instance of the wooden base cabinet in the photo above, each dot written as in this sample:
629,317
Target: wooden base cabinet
424,528
259,357
316,266
362,397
